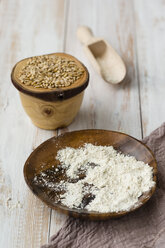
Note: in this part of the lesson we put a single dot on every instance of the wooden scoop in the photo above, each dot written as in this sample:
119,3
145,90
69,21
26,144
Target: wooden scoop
103,57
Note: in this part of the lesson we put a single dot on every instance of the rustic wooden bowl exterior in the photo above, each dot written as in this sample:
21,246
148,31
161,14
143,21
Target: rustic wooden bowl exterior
51,115
51,108
45,155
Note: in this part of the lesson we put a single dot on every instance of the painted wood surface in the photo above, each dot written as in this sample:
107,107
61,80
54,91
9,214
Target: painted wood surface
150,33
27,28
135,29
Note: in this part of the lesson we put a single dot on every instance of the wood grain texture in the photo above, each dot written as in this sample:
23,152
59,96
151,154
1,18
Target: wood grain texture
43,161
51,108
51,115
114,21
26,28
150,32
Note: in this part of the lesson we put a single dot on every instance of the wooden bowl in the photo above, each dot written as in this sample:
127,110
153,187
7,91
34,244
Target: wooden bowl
43,158
51,108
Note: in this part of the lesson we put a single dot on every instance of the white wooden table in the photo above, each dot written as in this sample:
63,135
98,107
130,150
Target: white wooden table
136,29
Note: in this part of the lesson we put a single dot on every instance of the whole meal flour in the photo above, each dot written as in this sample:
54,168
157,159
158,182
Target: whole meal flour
102,179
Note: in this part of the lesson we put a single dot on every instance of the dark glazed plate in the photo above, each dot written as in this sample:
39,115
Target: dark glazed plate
43,158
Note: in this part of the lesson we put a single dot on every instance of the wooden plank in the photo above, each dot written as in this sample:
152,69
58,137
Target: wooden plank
27,28
106,106
150,29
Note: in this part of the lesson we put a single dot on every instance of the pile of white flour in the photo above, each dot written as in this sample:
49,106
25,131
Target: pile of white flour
115,181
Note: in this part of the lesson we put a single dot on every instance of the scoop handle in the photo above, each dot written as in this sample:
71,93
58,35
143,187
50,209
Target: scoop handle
85,35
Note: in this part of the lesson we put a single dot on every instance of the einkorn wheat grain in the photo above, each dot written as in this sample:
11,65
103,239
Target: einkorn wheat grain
50,72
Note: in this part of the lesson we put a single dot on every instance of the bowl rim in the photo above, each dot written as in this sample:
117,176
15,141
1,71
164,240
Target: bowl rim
81,213
55,94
